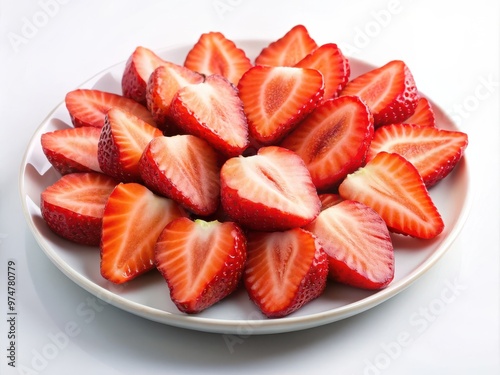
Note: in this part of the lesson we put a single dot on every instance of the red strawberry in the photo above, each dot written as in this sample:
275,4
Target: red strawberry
434,152
330,61
162,86
357,243
183,168
271,190
423,115
73,206
132,221
215,54
389,91
284,270
202,262
289,49
333,140
276,99
122,142
73,149
213,111
329,199
89,107
392,186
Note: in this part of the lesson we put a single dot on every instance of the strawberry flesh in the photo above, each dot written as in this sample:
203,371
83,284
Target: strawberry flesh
423,115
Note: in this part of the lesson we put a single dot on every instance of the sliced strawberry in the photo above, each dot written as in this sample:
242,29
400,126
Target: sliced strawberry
202,262
284,270
73,206
276,99
330,61
434,152
72,150
289,49
185,169
392,186
358,245
423,115
213,111
122,142
132,221
162,86
389,91
271,190
329,199
333,140
213,53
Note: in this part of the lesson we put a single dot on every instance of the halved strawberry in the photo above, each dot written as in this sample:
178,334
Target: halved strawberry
423,115
330,61
202,262
271,190
213,53
357,243
72,150
185,169
392,186
73,206
434,152
132,221
88,107
289,49
213,111
284,270
162,86
389,91
276,99
329,199
121,144
333,140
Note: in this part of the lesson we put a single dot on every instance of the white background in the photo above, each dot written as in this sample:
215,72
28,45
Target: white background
452,48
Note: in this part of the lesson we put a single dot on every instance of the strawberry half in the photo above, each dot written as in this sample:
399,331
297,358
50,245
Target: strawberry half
289,49
392,186
132,221
271,190
434,152
213,53
72,150
73,206
213,111
423,115
333,140
329,199
357,243
88,107
202,262
284,270
121,144
185,169
389,91
276,99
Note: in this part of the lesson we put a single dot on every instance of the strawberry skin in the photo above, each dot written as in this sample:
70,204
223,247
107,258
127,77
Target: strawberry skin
202,262
72,150
73,206
392,186
423,115
389,91
357,243
333,140
133,219
284,270
271,190
434,152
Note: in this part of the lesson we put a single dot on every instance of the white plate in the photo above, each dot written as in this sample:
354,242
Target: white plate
148,296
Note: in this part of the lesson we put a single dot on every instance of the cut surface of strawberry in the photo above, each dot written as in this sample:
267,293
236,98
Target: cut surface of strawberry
202,262
72,150
133,219
329,199
276,99
434,152
423,115
392,186
284,270
73,206
357,243
333,140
